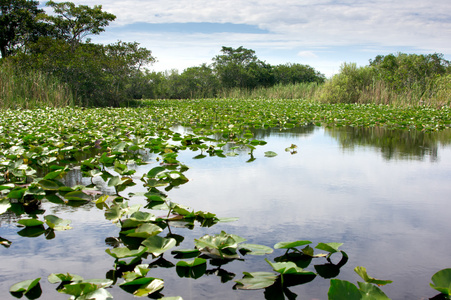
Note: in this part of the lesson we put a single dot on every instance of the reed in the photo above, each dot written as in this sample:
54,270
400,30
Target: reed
305,90
31,89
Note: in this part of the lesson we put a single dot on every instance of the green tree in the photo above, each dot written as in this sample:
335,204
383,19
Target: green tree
233,67
19,24
98,75
73,23
296,73
406,71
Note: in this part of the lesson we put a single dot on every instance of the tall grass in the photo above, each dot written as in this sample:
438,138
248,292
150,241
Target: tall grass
360,85
305,90
31,89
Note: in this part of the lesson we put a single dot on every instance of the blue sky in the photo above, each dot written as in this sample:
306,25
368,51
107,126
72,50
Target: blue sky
320,33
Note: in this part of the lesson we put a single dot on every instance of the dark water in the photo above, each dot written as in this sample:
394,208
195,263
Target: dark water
384,194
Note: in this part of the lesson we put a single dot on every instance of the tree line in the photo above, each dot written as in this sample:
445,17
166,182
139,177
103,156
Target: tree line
105,75
58,46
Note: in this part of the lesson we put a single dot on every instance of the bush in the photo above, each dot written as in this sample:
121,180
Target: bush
349,85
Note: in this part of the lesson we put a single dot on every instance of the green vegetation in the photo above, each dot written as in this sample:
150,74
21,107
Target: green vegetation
21,89
401,79
57,48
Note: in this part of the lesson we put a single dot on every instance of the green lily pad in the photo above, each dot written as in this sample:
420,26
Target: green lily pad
329,247
49,185
30,222
255,249
61,277
143,286
144,231
24,286
123,252
361,271
290,245
343,290
270,154
370,291
442,281
256,281
56,223
157,245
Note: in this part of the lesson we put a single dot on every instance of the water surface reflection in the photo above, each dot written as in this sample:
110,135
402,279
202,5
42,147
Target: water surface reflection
384,194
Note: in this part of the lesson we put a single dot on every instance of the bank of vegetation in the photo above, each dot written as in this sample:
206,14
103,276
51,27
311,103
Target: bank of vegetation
48,60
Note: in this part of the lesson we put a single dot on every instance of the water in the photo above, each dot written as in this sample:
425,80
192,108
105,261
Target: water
384,194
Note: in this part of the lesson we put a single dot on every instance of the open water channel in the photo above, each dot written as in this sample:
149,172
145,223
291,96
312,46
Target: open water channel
386,195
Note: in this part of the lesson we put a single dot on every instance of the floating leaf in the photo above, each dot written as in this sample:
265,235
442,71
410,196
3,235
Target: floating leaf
158,245
289,245
57,223
61,277
4,242
361,271
442,281
123,252
195,268
256,281
77,196
255,249
270,154
144,231
144,286
49,185
25,287
343,290
4,205
288,268
30,222
370,291
329,247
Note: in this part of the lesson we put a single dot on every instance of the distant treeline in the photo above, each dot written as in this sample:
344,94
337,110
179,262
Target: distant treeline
48,60
234,68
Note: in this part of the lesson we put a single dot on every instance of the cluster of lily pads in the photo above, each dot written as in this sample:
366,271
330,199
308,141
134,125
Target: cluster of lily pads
38,148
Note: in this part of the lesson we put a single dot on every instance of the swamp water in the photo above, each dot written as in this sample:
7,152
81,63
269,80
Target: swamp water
384,194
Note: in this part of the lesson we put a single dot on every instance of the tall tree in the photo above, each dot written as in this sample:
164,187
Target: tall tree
233,66
73,23
19,23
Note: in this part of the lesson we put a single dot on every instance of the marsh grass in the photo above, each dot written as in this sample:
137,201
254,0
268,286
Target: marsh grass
31,89
305,90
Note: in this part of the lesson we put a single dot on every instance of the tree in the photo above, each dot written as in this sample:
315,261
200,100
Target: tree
404,71
233,66
19,24
296,73
74,23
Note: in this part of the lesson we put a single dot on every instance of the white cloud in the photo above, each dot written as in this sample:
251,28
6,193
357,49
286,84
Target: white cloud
299,26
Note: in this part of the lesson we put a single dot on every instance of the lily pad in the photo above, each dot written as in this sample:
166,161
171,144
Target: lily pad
157,245
442,281
361,271
57,223
256,281
290,245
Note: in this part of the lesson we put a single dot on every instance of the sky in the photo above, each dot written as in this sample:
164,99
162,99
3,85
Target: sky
321,33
